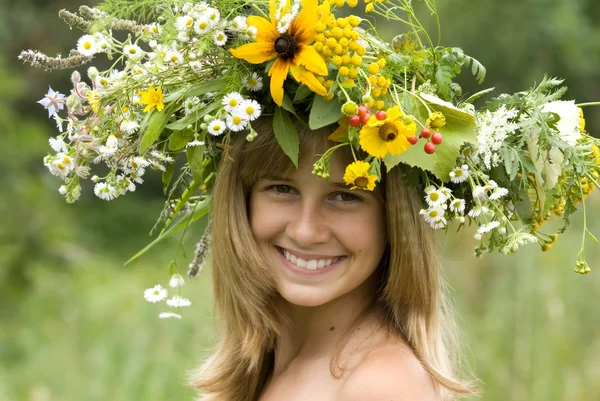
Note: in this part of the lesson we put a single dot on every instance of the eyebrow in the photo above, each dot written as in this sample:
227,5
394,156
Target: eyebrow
337,184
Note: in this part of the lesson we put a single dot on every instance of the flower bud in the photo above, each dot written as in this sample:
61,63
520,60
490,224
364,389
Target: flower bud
92,73
176,281
75,77
95,178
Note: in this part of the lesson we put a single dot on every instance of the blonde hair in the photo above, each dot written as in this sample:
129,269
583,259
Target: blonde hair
412,297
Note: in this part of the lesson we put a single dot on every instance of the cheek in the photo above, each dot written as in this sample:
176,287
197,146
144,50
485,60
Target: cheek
264,221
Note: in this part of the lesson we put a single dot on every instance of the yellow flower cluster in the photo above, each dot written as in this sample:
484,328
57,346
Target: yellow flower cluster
337,41
370,4
379,84
341,3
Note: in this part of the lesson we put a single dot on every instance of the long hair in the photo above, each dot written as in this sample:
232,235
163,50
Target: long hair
412,295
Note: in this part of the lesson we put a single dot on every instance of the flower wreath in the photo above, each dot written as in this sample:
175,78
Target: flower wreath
195,73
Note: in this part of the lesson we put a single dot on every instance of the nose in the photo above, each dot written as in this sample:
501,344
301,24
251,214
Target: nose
309,226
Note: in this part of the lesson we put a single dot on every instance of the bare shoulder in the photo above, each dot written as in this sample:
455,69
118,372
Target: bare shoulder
389,373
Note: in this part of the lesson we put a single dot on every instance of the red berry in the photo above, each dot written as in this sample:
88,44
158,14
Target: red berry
362,110
429,148
413,140
365,119
355,120
436,138
425,133
381,115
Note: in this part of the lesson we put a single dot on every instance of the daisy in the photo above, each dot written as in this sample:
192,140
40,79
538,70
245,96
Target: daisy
157,166
487,227
213,16
499,193
220,38
190,105
284,23
111,146
169,315
176,281
202,26
133,52
459,174
58,144
178,302
251,109
457,205
236,121
155,28
251,32
232,101
173,57
125,183
185,22
435,216
104,191
129,127
155,294
102,44
434,197
253,83
86,45
239,23
477,210
216,127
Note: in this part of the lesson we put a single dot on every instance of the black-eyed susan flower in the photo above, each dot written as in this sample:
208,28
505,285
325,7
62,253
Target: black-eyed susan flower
380,137
357,175
292,49
153,98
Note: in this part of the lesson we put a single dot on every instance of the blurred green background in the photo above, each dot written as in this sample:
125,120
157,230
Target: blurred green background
74,325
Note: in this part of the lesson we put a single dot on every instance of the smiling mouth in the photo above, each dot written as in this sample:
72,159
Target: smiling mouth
310,264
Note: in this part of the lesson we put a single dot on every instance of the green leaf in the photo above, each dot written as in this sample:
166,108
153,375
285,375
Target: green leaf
191,118
477,95
324,112
156,124
195,156
524,209
302,93
179,139
460,127
167,176
288,105
188,218
202,88
286,134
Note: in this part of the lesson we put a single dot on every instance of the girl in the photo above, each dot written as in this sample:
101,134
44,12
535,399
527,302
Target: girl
325,293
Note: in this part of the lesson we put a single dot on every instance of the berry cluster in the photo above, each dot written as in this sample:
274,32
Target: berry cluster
433,139
362,116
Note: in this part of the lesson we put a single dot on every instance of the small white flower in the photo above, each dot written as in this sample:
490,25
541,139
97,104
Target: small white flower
86,45
459,174
251,109
216,127
155,294
155,28
479,192
477,237
434,197
499,193
157,166
232,101
129,127
284,23
253,83
58,144
194,143
213,16
202,26
125,183
105,191
185,22
183,36
178,302
457,205
134,52
191,104
174,57
169,315
102,44
239,23
251,32
111,146
435,216
220,38
502,230
62,190
477,210
236,122
487,227
176,281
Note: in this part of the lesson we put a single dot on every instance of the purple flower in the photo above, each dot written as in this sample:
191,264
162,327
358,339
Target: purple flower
52,101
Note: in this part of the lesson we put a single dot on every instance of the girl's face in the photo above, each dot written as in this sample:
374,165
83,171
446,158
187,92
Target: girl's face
321,239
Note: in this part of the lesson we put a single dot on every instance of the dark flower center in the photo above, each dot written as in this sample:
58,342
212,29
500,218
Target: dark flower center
286,46
388,132
361,182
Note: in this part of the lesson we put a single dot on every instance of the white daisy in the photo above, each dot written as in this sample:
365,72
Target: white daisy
457,205
202,26
236,122
176,281
105,191
284,23
216,127
251,109
232,101
183,36
213,16
251,31
169,315
434,196
86,45
498,193
239,23
129,127
58,144
220,38
459,174
191,104
134,52
178,302
173,57
155,294
155,28
435,216
477,210
487,227
479,192
253,82
185,22
102,44
157,166
125,183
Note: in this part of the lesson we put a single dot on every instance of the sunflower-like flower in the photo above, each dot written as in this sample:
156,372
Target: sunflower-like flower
380,137
152,98
357,175
293,49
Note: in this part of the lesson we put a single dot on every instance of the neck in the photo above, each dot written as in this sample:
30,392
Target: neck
314,332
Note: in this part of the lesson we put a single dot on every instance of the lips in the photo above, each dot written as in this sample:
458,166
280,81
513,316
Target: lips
307,263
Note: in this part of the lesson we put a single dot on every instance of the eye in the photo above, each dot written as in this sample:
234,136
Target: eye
346,197
281,189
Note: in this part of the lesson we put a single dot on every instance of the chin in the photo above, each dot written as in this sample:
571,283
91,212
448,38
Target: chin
308,297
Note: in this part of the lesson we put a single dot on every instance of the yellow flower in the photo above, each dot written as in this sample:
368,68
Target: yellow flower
357,175
380,137
94,98
581,120
436,120
153,98
293,49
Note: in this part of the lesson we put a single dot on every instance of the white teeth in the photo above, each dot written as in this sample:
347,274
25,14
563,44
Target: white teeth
312,264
